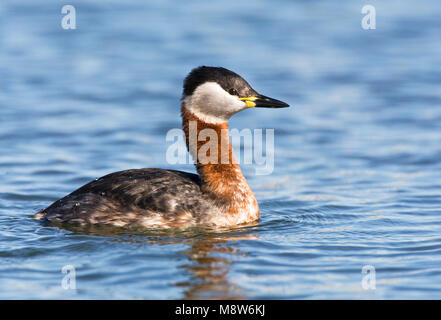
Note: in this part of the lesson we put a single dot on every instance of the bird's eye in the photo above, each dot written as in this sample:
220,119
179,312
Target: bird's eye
233,92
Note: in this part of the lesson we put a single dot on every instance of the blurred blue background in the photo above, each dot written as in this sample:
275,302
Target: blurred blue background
357,161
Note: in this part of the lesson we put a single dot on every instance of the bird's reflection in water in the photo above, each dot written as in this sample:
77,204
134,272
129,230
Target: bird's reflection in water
209,262
209,255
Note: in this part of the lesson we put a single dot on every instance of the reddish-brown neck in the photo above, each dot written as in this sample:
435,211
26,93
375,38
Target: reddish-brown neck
219,168
220,175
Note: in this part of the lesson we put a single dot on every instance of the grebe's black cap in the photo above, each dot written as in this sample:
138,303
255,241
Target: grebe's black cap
227,79
232,83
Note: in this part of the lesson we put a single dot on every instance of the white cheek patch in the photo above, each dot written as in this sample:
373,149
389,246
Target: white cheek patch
211,103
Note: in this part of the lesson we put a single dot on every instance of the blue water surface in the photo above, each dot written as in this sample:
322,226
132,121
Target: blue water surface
357,175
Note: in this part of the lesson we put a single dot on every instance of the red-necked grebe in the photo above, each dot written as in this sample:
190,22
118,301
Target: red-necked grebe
218,196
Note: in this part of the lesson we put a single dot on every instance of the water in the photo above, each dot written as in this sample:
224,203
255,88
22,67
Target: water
357,161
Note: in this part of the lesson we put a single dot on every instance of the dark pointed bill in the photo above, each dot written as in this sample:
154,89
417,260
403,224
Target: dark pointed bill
261,101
